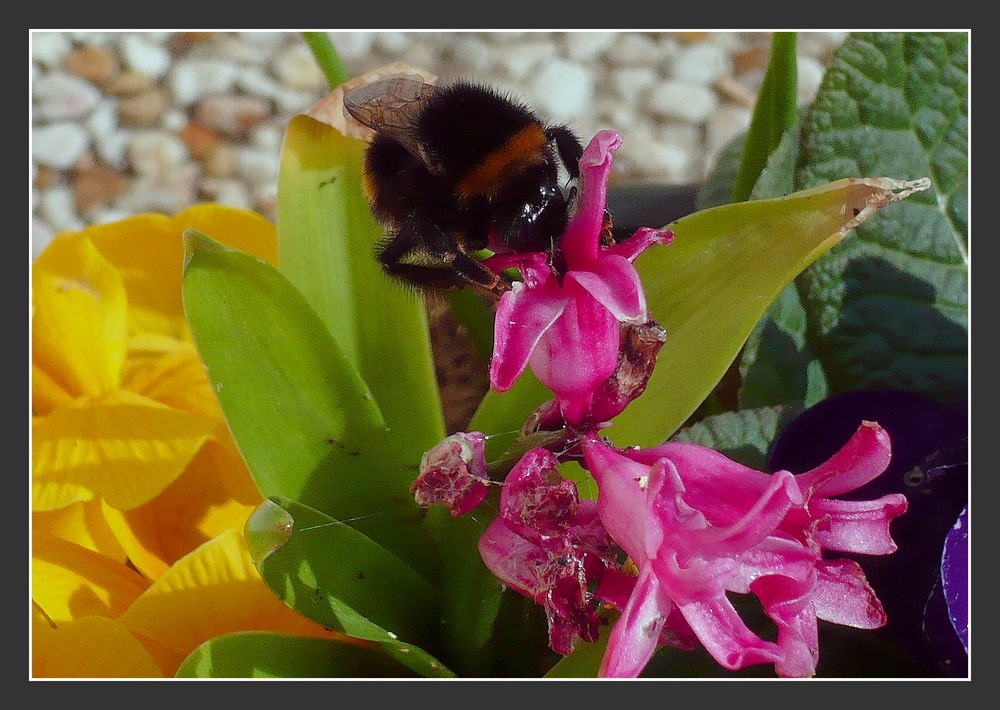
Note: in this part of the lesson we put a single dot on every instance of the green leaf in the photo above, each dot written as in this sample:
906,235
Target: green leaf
262,654
501,415
329,572
745,436
585,661
717,188
304,420
889,307
326,248
774,113
713,283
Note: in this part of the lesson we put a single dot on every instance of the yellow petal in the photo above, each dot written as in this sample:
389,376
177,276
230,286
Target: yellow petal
212,591
149,251
214,494
79,324
81,523
90,647
175,379
124,447
69,581
46,393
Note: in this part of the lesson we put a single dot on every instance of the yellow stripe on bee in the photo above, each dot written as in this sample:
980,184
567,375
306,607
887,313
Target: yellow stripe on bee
523,148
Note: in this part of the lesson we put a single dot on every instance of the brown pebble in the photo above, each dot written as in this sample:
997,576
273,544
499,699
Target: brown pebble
143,110
692,37
45,177
96,187
751,58
200,141
92,63
129,83
231,114
730,88
221,162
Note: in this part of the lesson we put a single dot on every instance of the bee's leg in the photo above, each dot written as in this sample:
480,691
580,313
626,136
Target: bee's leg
569,147
439,262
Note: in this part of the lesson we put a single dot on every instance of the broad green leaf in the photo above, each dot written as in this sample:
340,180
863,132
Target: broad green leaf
713,283
889,308
326,247
335,575
304,420
261,654
501,415
774,113
745,436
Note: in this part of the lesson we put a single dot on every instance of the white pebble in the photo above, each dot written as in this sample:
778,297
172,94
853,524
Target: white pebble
143,54
113,148
59,145
49,48
702,63
682,100
392,42
632,49
586,46
227,192
265,199
561,90
631,82
169,193
174,120
288,101
103,120
257,82
257,166
722,126
521,59
810,75
58,95
157,154
192,79
268,136
57,207
473,54
297,69
351,45
41,234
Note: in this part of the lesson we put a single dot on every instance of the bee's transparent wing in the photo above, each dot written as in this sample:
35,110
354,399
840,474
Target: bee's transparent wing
392,106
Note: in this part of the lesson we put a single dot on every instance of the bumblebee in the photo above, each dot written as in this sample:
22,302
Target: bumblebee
456,169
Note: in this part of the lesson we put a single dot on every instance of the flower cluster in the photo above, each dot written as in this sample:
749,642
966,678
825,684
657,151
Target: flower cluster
139,495
677,528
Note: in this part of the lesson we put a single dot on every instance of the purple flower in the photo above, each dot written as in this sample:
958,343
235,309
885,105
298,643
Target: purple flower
565,322
698,526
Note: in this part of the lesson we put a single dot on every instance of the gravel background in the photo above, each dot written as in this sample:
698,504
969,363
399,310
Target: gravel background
127,122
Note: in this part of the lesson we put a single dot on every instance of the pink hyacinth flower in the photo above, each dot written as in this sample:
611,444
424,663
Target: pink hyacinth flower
699,525
566,326
453,474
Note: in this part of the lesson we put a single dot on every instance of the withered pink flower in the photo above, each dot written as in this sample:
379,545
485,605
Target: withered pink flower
564,322
453,474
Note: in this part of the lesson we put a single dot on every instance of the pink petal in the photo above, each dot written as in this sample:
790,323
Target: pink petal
723,633
580,241
637,631
861,459
843,596
640,241
857,526
523,316
760,520
514,560
788,603
615,283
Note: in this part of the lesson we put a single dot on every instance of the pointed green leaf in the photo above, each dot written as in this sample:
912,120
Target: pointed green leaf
745,436
261,654
774,112
326,247
722,271
333,574
304,420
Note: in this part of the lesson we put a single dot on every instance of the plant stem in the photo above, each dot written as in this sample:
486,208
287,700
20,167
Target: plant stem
327,58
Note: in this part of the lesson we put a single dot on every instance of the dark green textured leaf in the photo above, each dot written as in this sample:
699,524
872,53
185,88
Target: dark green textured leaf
745,436
888,307
261,654
333,574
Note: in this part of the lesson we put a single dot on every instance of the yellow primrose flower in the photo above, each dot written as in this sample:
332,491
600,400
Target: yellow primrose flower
139,494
